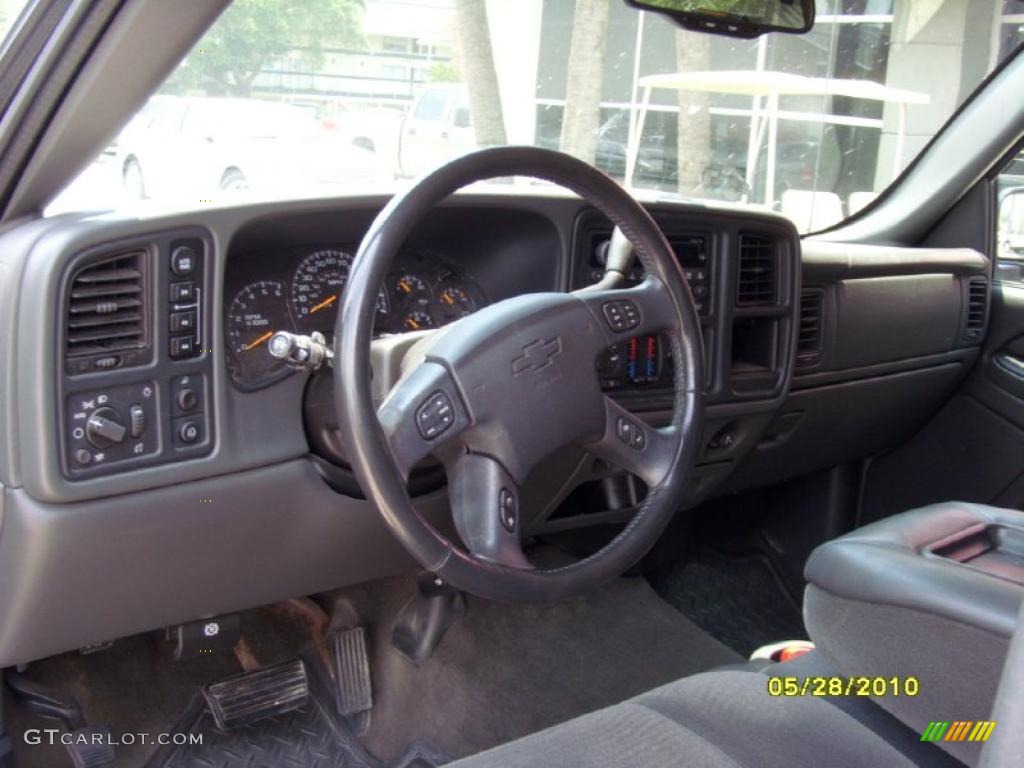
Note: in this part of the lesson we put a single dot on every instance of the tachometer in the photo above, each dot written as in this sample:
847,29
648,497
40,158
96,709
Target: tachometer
256,312
316,287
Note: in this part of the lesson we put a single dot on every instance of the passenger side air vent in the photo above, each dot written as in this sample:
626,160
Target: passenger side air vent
106,312
809,337
758,261
977,308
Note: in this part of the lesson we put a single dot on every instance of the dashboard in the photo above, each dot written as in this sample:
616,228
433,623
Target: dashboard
297,290
144,431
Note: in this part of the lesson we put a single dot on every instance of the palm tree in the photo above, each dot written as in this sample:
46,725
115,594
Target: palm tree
478,70
694,142
582,117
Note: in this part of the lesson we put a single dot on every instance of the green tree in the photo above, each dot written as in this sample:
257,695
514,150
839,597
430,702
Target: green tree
253,33
443,72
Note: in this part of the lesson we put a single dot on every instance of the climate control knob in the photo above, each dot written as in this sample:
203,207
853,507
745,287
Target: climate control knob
103,429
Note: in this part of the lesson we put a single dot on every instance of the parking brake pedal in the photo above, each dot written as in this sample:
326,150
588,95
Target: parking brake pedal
252,696
352,674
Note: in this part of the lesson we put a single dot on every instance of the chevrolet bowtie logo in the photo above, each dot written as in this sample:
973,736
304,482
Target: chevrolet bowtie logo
537,355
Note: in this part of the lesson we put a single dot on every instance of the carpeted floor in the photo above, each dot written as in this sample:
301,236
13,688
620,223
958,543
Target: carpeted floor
505,671
738,600
501,672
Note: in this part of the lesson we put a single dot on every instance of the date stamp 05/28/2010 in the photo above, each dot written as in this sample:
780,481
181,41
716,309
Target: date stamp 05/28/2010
837,685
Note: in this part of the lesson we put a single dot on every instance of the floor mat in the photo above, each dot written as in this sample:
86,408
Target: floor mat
504,671
311,737
738,600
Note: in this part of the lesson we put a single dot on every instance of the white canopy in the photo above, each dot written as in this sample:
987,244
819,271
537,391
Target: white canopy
764,83
768,86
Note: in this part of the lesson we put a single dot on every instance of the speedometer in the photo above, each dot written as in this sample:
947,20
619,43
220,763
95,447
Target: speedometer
316,287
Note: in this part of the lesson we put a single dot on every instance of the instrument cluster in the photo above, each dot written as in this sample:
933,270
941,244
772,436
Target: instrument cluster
299,291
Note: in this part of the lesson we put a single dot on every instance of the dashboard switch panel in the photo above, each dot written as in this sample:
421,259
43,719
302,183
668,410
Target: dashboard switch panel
108,426
114,419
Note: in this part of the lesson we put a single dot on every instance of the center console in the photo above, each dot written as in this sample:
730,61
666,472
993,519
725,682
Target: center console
743,274
933,593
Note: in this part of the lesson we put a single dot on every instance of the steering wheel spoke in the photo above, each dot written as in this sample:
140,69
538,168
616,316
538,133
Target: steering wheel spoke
626,312
634,445
422,413
485,507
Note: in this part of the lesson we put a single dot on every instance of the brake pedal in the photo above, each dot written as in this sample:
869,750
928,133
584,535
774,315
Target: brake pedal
252,696
352,677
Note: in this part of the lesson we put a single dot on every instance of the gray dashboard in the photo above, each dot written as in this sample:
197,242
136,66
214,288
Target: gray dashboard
245,515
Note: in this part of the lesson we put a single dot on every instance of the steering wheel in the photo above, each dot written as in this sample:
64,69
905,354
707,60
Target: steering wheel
498,391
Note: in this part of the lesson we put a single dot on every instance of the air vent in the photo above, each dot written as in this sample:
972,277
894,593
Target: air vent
977,308
758,259
106,307
812,314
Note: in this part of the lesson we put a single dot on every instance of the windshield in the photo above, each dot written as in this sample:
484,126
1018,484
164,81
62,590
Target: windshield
335,97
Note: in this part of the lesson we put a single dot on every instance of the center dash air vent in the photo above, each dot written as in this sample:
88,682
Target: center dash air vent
809,336
977,307
106,309
757,266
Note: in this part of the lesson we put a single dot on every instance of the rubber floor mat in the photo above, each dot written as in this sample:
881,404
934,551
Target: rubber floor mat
738,600
311,737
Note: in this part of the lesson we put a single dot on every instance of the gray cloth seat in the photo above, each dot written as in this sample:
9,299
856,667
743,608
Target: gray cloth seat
715,719
880,601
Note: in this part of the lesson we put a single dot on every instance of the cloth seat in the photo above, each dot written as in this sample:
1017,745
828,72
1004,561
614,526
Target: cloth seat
727,717
718,719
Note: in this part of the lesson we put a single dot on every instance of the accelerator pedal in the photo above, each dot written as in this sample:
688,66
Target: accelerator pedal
352,676
252,696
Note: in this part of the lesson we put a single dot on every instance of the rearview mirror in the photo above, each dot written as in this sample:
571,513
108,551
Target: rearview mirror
735,18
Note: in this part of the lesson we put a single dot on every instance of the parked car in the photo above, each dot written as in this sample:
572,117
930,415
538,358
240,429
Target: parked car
179,145
439,127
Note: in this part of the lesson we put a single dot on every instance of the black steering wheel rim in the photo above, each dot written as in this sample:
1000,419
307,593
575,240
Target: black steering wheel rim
371,455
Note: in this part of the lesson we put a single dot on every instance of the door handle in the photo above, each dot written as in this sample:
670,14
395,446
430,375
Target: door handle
1007,372
1011,364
